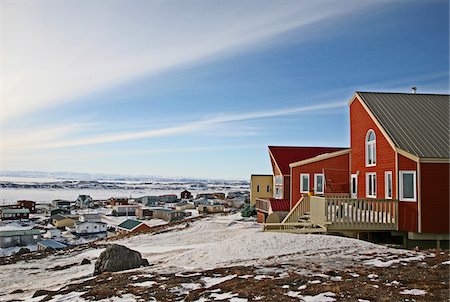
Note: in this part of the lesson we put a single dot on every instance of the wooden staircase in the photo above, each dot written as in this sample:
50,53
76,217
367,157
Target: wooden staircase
298,220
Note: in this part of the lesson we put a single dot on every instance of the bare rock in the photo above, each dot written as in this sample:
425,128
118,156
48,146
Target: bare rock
117,258
85,261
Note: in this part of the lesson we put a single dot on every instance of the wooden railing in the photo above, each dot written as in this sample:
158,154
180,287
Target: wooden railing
300,209
262,204
354,214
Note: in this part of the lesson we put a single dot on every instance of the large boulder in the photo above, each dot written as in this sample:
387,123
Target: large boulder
117,258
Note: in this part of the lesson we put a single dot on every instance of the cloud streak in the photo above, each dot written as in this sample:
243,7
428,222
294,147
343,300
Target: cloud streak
52,58
55,139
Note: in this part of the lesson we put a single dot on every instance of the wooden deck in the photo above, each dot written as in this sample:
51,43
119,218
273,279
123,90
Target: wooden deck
330,214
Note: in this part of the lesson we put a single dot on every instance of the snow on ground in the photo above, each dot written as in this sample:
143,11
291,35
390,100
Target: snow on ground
413,292
230,240
216,241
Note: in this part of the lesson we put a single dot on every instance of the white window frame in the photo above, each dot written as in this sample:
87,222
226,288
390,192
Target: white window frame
301,182
400,182
373,146
374,184
386,185
315,183
355,187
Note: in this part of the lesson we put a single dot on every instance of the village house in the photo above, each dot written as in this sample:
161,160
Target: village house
118,201
7,214
261,186
144,213
27,204
132,226
168,198
62,221
84,201
184,206
210,208
186,195
50,244
323,175
19,237
52,233
211,195
169,215
149,201
61,204
125,210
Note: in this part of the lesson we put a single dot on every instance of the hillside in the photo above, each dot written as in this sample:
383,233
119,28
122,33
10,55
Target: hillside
228,258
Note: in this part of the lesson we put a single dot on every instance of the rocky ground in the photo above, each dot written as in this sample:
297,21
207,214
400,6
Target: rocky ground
423,280
227,258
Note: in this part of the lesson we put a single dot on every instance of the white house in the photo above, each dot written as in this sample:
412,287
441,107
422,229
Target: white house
89,228
84,201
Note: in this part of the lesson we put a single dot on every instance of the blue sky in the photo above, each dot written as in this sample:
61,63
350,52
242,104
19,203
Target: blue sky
197,88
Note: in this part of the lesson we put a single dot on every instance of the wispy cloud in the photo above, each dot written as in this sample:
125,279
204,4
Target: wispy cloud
53,138
50,57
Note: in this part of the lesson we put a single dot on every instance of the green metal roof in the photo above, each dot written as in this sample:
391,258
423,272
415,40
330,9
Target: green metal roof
416,123
129,224
19,233
15,211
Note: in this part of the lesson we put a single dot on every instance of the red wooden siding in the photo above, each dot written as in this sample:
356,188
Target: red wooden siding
435,197
407,210
336,176
360,124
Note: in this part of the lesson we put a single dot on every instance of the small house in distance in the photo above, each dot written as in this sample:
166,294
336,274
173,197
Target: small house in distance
50,244
149,201
61,221
169,215
210,208
27,204
211,195
186,195
19,237
132,226
118,201
168,198
84,201
61,204
125,210
184,206
14,214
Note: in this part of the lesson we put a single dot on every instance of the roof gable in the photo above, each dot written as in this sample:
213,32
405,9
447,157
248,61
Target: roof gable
415,123
283,155
130,224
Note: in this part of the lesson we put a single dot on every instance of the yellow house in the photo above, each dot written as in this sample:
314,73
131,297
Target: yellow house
61,221
261,186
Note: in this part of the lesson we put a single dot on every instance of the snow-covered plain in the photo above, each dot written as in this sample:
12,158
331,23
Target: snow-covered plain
208,243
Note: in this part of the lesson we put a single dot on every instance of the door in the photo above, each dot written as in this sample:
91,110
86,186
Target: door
354,186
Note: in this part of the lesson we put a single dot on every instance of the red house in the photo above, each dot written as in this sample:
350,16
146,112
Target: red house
324,175
282,157
400,150
27,204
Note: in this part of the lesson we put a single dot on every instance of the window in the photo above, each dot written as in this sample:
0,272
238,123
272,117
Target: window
371,149
388,184
407,184
304,183
371,185
268,189
35,237
318,183
279,180
257,188
7,239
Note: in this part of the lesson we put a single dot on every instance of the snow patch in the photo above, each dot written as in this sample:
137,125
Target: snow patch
211,281
413,292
